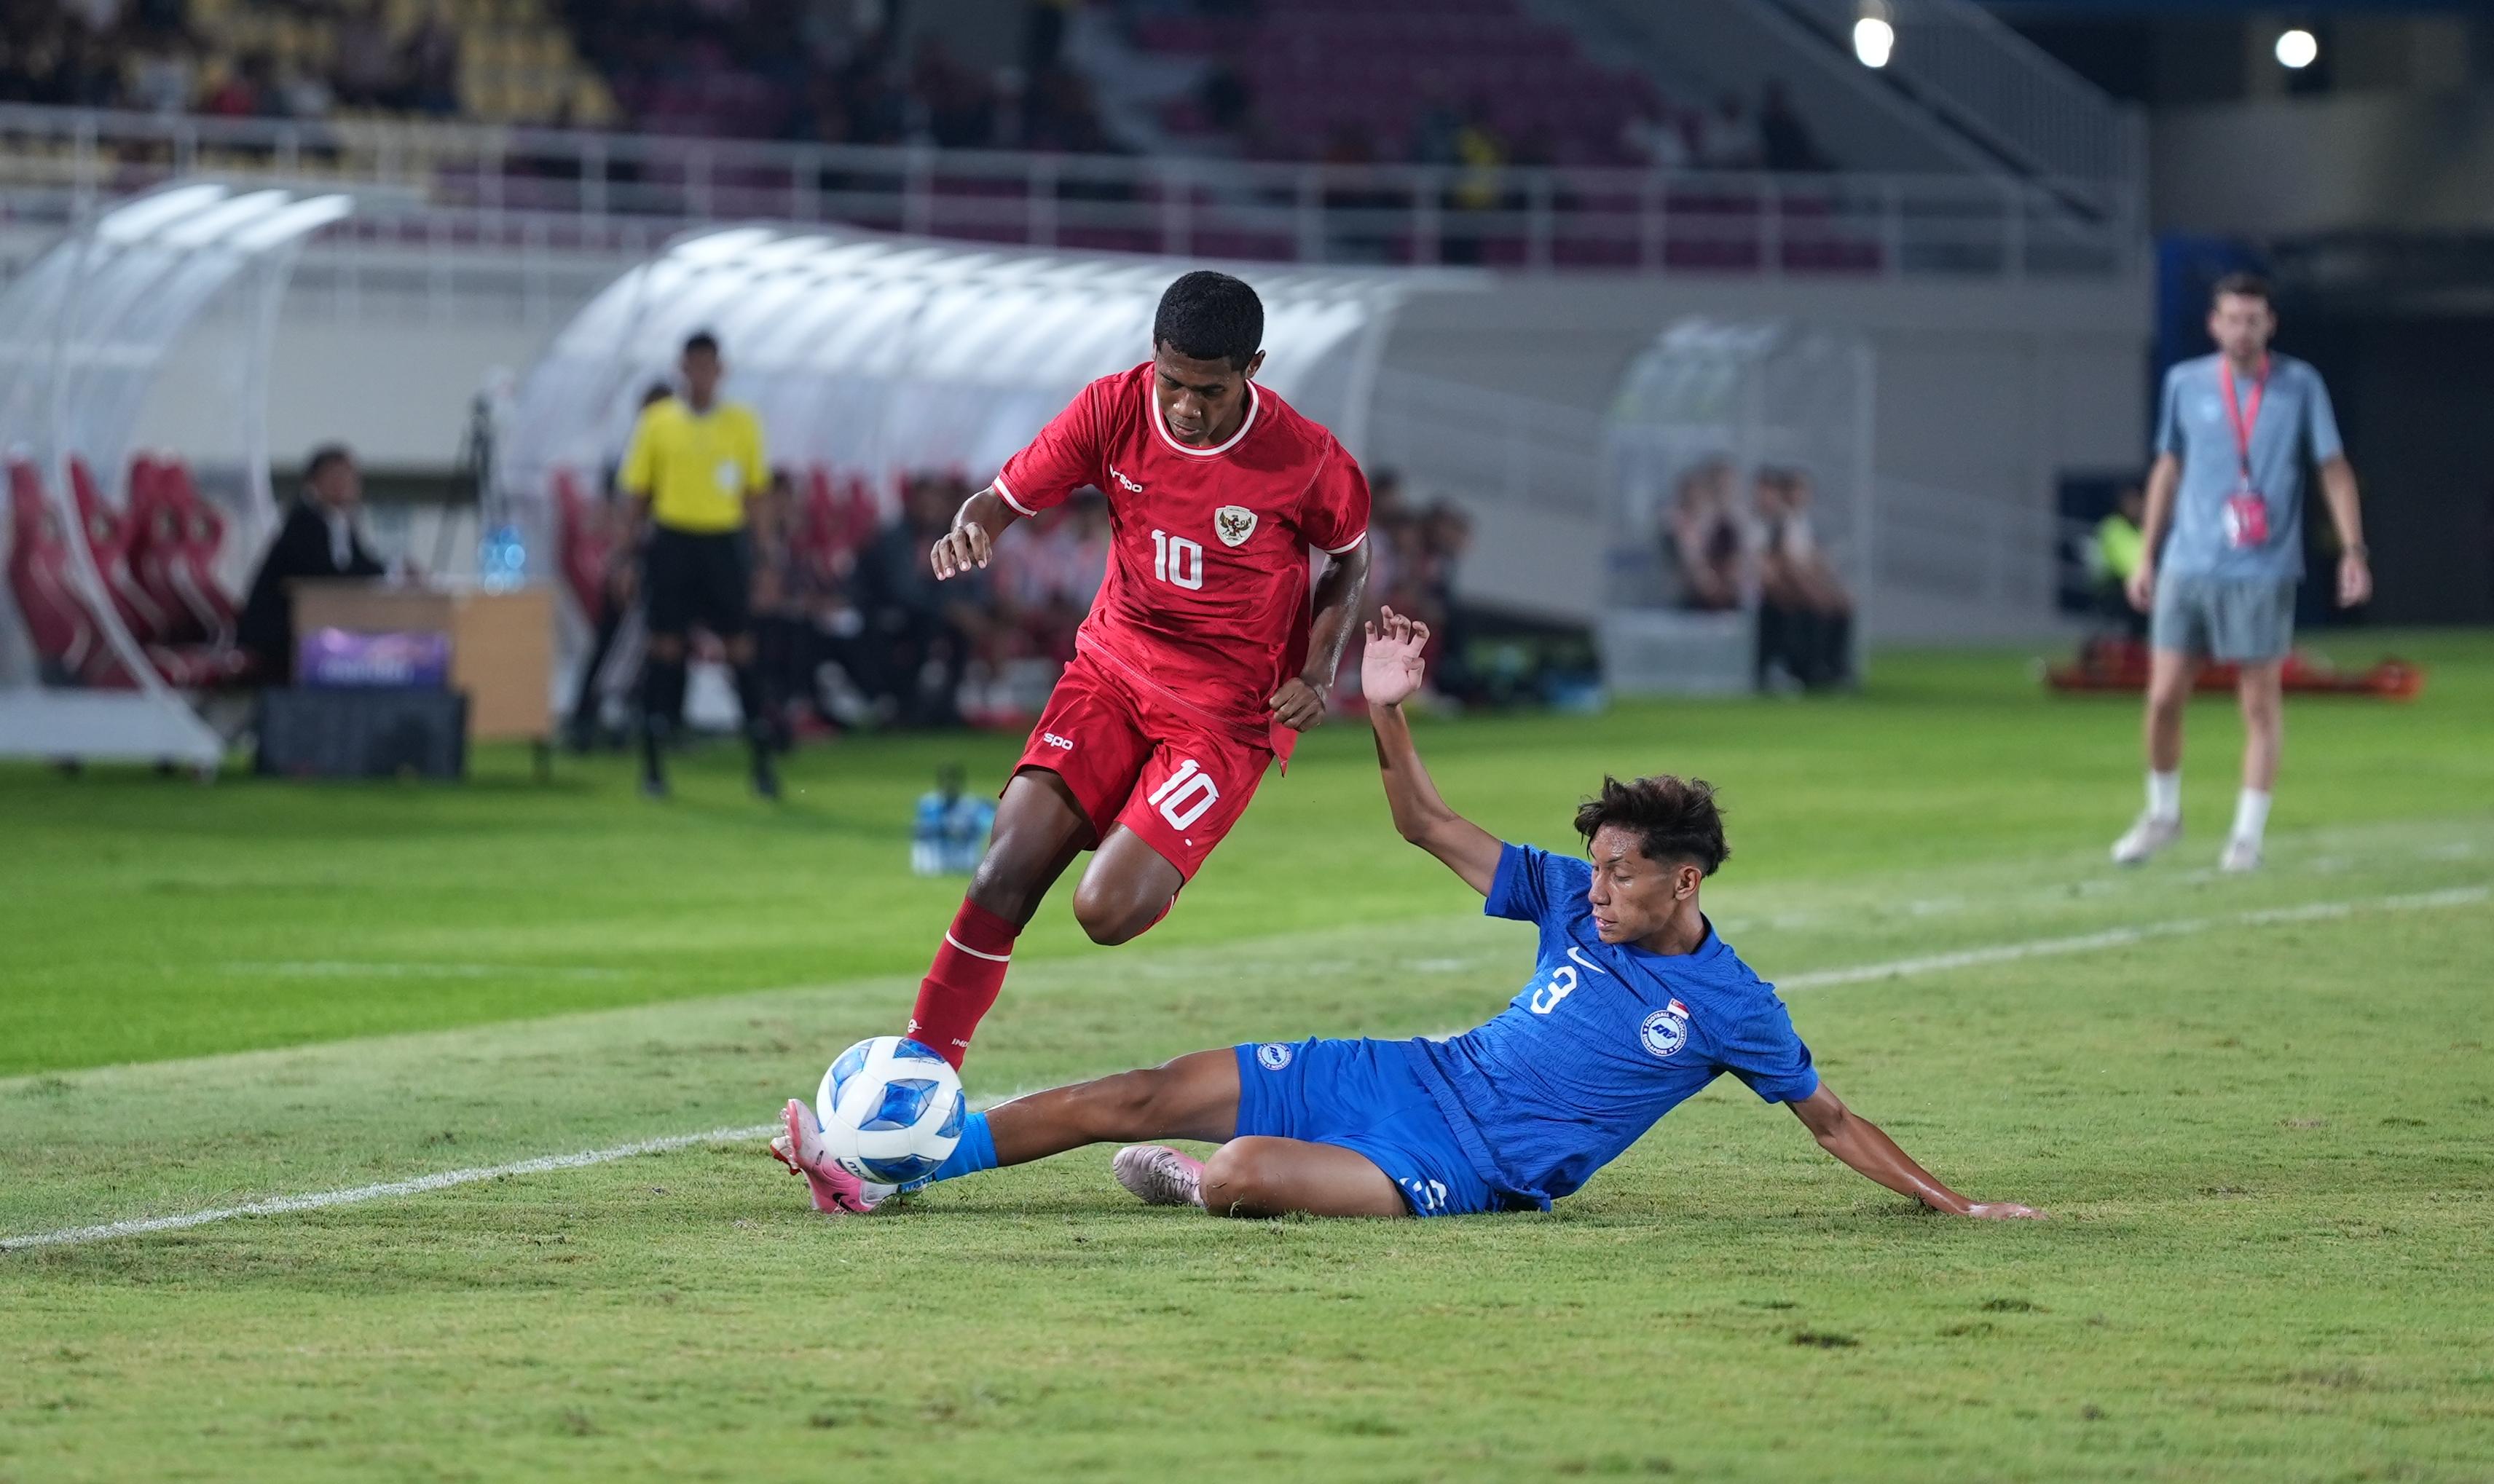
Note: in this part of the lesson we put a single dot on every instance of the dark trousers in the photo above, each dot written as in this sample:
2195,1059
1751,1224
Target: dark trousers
1816,649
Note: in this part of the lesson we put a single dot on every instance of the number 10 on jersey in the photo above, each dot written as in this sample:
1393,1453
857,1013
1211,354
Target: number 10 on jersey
1177,560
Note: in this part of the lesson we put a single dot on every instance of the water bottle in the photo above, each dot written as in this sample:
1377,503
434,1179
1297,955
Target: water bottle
502,560
926,840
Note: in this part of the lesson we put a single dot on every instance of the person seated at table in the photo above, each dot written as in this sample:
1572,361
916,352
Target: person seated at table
317,539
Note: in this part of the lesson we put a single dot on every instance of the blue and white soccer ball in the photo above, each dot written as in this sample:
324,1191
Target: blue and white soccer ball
890,1111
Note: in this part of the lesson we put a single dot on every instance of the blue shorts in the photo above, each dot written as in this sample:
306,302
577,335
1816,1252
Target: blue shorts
1361,1096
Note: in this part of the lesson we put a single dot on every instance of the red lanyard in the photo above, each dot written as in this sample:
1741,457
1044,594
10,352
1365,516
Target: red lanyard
2244,415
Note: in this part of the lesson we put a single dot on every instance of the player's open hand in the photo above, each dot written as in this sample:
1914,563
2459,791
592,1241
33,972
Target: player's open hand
1298,705
1390,668
2141,587
2355,580
2003,1211
959,548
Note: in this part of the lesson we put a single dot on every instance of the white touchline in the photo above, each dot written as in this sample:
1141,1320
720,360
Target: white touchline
1900,968
338,968
282,1206
2117,937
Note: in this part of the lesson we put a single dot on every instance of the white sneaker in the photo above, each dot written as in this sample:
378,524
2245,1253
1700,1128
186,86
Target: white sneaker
2146,836
1159,1175
2241,854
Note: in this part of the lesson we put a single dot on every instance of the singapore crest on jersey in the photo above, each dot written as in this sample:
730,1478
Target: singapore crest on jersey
1233,524
1666,1030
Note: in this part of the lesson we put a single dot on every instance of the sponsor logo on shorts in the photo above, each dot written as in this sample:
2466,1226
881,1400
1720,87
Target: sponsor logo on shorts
1233,524
1666,1030
1060,743
1273,1055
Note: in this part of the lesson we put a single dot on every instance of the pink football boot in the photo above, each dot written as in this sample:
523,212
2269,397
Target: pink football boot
835,1191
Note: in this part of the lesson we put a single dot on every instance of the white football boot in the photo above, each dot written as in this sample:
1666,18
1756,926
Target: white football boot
1159,1175
2240,854
2146,836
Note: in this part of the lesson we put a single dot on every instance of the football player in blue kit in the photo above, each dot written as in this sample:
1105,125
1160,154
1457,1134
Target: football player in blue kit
1635,1005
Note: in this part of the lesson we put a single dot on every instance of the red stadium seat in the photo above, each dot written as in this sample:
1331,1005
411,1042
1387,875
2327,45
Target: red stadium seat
108,539
66,636
582,544
208,608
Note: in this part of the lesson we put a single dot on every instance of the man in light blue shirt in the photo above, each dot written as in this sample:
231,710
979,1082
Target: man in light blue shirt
2232,434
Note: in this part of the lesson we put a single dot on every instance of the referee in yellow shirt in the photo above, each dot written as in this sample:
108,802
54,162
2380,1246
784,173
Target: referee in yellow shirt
693,468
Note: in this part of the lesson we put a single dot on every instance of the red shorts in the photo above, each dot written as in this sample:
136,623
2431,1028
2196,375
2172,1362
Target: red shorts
1133,758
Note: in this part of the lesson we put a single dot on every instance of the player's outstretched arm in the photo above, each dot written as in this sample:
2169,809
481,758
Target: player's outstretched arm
1862,1144
972,540
1390,674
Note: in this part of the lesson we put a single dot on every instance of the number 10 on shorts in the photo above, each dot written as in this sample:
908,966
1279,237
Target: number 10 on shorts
1187,795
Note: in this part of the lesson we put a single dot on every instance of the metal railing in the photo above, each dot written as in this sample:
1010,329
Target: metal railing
1965,63
577,185
1948,544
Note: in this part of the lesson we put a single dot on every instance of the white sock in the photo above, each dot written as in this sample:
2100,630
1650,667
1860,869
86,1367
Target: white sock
2251,816
2165,794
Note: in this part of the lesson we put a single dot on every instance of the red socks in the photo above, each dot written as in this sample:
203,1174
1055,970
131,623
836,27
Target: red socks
958,988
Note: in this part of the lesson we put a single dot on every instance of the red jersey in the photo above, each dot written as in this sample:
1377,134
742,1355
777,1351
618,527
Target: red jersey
1206,598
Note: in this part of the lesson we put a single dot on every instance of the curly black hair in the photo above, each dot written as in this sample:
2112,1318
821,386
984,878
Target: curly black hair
1674,819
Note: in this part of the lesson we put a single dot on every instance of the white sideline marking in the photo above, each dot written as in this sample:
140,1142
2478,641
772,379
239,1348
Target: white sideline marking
284,1206
2006,952
2119,937
341,968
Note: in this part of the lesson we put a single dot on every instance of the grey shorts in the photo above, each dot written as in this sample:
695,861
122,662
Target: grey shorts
2235,619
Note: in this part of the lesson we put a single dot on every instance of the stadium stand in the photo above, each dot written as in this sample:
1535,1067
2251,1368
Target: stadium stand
1458,82
485,61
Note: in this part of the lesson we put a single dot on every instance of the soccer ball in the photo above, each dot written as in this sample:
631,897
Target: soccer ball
890,1111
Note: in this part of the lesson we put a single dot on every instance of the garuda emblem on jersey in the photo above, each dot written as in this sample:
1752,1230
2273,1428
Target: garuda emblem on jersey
1233,524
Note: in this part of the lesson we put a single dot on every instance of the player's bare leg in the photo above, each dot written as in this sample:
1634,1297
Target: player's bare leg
2169,673
1193,1096
1038,832
2262,694
1264,1176
1126,889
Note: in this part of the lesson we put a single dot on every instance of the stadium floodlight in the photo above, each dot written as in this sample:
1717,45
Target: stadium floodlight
1874,34
2297,48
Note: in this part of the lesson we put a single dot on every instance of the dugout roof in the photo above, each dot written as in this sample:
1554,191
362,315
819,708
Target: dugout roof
882,355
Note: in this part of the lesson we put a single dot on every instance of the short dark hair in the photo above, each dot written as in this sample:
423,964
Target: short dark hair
2243,285
1674,819
1210,316
701,339
325,456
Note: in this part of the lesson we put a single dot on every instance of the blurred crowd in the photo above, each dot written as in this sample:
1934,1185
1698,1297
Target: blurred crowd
145,55
1723,555
833,71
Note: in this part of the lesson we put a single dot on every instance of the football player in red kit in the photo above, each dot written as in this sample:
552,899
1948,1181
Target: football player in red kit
1205,653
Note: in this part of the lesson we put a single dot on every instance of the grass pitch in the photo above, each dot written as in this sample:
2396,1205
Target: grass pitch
2263,1127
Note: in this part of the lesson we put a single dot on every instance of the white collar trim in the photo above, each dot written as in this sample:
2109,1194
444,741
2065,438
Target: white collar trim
1152,402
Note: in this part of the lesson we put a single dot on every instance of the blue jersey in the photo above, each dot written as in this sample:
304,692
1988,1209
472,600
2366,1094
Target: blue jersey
1603,1041
2194,425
